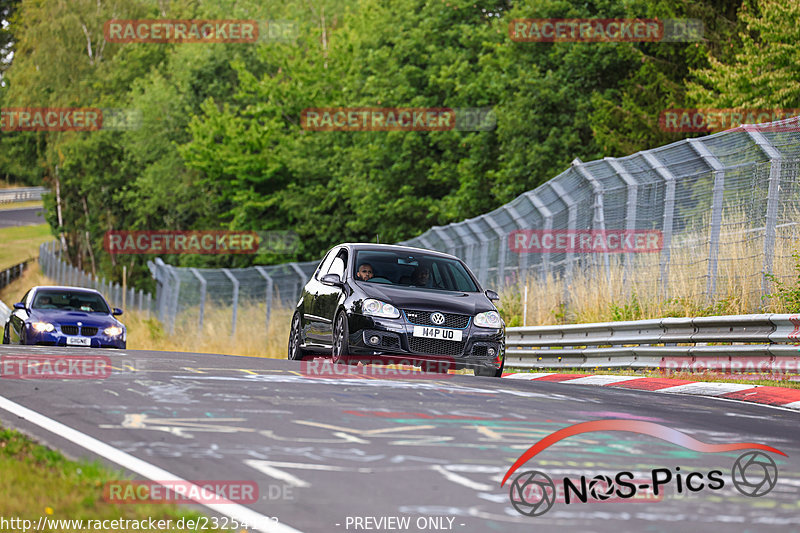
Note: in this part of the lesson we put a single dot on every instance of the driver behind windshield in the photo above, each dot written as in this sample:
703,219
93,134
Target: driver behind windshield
365,272
421,276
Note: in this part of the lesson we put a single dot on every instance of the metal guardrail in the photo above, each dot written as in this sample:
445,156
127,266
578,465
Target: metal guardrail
649,343
23,194
13,272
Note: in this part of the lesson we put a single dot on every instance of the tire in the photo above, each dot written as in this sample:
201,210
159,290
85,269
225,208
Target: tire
6,339
341,335
296,353
490,372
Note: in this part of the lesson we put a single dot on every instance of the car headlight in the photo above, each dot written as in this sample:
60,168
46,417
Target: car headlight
489,319
41,327
381,309
113,331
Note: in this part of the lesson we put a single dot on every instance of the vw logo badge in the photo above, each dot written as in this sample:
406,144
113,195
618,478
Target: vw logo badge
437,318
80,323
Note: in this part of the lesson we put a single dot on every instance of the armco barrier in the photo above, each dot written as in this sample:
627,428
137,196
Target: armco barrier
26,194
774,340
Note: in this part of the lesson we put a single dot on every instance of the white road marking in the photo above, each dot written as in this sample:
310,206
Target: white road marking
601,379
461,480
528,375
280,475
707,388
230,509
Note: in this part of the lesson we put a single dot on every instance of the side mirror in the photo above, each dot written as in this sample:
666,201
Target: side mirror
19,305
332,279
116,311
493,296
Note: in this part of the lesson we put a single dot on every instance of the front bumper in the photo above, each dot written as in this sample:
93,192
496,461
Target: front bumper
478,348
58,338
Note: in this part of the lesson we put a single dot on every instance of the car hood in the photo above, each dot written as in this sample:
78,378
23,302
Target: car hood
467,303
59,316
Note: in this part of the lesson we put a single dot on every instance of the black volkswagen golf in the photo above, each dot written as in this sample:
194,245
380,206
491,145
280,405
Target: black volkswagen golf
386,303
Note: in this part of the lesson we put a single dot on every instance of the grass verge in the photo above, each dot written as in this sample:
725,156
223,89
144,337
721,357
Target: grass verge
19,243
21,205
40,482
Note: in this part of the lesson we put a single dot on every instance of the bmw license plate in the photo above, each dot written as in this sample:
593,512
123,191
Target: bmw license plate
437,333
79,341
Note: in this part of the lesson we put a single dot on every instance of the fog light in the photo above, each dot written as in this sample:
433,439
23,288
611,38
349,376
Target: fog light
492,352
374,339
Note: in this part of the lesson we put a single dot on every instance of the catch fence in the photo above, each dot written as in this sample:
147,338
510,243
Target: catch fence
722,209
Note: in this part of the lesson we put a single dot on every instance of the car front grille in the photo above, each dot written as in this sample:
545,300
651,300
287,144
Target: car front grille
423,318
425,346
87,331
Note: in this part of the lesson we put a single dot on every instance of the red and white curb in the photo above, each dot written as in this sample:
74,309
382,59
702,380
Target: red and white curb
763,394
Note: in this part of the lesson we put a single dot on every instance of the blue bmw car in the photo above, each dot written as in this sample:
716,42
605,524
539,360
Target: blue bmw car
65,316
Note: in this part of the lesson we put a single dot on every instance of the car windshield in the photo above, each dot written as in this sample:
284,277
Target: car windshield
414,269
70,301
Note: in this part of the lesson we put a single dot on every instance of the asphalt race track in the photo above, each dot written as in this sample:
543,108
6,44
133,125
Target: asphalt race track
21,216
325,452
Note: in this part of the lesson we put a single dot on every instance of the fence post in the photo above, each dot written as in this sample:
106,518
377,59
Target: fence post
547,215
450,246
522,258
235,297
501,251
483,240
202,297
270,285
669,211
718,171
630,213
173,312
572,222
771,216
598,207
303,278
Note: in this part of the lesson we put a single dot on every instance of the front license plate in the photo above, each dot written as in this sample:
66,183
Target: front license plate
437,333
79,341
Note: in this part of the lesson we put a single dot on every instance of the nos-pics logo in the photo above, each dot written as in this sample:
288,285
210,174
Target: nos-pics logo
533,493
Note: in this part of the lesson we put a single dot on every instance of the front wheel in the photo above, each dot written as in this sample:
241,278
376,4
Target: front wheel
295,352
6,339
341,336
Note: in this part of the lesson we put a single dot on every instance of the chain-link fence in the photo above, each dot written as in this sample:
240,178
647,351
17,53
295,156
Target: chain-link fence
722,211
65,274
185,294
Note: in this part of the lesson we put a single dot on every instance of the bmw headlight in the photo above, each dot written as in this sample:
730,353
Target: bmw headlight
113,331
379,308
41,327
489,319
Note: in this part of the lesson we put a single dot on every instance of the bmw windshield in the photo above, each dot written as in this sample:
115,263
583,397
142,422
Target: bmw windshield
70,301
418,270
